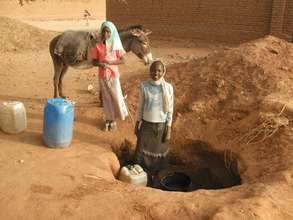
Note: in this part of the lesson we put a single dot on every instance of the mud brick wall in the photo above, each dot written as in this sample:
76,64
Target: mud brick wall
282,19
221,20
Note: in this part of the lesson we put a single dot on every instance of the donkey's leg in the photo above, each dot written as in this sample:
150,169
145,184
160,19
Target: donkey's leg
58,66
60,85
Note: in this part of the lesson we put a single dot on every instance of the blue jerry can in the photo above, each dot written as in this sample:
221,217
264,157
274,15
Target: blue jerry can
58,122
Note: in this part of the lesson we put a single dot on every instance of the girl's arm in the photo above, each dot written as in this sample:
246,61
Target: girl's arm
140,104
170,112
95,57
121,60
139,110
98,63
167,135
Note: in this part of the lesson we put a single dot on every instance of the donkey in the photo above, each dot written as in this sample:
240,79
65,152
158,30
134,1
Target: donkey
73,48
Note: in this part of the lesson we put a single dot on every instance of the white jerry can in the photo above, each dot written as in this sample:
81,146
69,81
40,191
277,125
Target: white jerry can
12,117
133,174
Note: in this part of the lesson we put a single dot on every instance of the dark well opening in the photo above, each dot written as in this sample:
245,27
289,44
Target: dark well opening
196,166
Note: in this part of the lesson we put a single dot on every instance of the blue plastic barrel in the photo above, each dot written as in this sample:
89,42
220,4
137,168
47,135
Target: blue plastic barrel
58,122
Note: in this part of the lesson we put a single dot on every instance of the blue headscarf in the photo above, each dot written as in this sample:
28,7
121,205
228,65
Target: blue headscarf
114,42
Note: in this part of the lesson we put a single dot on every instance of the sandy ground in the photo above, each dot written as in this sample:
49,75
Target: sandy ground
78,182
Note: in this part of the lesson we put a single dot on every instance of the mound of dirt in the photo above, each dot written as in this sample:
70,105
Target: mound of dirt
17,36
230,93
231,83
238,100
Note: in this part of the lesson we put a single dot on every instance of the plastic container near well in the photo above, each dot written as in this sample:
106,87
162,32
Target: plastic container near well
133,174
12,117
58,122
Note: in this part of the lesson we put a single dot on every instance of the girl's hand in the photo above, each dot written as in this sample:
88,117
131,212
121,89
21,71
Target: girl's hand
167,134
104,65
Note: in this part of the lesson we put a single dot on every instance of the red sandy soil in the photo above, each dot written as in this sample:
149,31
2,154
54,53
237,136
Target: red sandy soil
221,94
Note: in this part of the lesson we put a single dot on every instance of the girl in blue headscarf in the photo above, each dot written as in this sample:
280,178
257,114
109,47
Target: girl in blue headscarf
107,55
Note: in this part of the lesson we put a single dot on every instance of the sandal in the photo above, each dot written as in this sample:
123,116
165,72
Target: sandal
107,126
113,126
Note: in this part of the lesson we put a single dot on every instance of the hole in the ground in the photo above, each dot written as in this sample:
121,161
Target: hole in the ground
208,168
196,166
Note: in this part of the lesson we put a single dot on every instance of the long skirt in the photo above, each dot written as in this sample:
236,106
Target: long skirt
113,100
151,153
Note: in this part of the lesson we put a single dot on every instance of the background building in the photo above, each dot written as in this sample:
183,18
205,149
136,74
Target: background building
223,20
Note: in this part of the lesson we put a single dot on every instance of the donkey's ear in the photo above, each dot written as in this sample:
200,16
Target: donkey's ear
147,31
136,32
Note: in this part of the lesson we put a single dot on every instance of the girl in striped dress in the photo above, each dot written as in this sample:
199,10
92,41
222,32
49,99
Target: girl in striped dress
107,55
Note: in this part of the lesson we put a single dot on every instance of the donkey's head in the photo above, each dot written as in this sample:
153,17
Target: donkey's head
136,40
